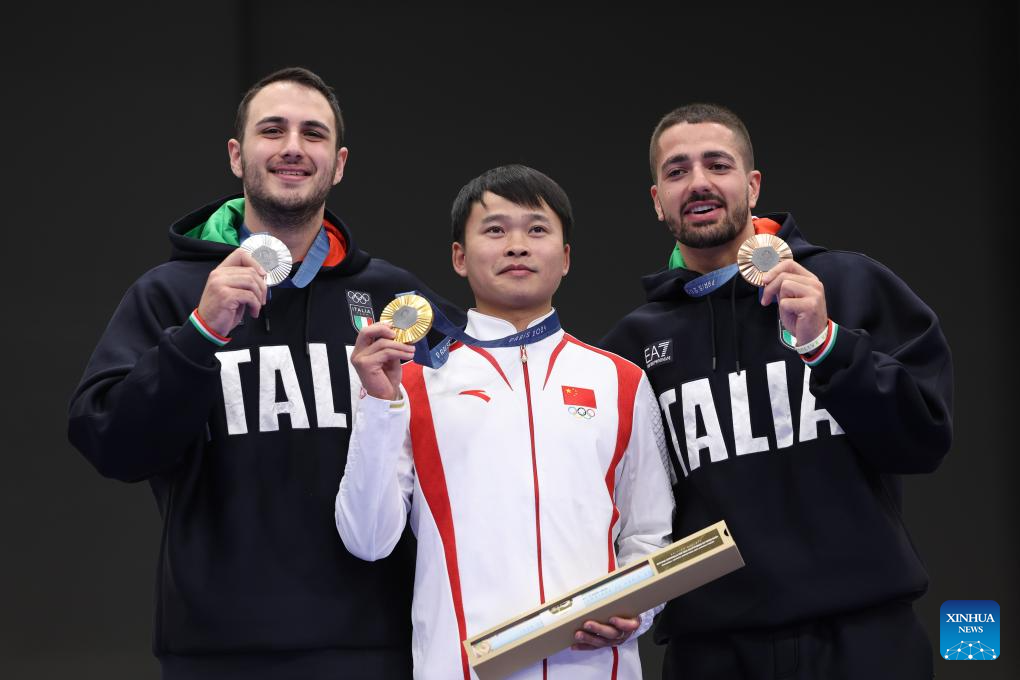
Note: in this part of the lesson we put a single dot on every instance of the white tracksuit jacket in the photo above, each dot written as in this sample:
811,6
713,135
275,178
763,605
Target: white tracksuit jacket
518,487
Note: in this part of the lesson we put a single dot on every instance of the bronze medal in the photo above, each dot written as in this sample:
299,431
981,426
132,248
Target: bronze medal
759,254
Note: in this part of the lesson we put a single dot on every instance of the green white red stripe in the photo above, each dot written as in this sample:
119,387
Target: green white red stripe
816,357
208,333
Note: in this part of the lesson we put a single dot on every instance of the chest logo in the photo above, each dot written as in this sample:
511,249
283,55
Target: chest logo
360,305
659,353
580,402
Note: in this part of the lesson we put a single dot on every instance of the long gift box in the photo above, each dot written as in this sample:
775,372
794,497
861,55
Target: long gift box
662,575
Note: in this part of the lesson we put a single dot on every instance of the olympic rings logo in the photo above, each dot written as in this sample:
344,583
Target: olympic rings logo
358,297
582,412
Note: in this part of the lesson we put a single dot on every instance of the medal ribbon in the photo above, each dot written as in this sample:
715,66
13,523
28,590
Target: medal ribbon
437,356
310,266
706,283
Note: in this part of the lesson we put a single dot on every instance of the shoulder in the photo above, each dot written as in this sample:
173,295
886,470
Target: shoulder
626,369
847,273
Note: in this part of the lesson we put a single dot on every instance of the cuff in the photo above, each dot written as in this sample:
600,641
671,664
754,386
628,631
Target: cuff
375,406
193,346
839,356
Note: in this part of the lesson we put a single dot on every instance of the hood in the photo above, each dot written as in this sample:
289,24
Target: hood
668,284
210,233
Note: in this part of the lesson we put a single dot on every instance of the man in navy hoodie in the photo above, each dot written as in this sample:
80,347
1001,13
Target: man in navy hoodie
233,400
792,410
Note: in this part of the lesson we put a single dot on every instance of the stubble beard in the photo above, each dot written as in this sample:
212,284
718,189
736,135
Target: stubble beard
713,234
289,212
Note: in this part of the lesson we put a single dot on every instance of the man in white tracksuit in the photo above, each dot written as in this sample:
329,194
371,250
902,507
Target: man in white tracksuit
527,469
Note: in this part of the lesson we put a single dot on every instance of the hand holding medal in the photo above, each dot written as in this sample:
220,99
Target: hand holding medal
766,261
240,284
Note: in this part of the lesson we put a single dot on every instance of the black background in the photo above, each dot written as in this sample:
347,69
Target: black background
886,130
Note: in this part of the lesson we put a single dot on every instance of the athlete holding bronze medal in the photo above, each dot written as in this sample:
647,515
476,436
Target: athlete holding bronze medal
795,441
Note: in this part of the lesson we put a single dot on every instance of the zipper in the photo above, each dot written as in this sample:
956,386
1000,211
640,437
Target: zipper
534,473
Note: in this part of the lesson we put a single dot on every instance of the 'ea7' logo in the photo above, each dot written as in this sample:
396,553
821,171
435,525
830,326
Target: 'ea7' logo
659,353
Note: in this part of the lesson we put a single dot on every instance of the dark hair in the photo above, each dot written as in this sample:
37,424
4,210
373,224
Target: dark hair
518,184
292,74
702,113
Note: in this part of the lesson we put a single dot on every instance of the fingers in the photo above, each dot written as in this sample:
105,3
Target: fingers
242,258
789,279
596,635
372,333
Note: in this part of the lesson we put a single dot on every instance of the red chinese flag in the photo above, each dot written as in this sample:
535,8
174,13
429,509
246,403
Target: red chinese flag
578,396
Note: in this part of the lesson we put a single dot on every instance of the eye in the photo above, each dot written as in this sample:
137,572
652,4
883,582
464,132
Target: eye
271,131
314,134
675,172
493,229
720,167
540,228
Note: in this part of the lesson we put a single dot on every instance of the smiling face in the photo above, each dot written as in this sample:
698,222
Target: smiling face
703,192
288,161
513,257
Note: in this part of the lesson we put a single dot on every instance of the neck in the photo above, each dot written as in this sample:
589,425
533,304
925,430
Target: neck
298,237
520,318
704,260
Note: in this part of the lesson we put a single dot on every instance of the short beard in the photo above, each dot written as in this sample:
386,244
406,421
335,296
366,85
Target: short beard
714,234
285,214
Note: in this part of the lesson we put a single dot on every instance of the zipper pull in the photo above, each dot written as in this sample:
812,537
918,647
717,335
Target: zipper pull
524,354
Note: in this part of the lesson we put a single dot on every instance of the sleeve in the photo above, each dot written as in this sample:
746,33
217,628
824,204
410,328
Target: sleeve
888,379
375,491
644,493
147,390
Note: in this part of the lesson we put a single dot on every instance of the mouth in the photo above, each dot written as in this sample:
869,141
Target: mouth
290,174
703,209
517,270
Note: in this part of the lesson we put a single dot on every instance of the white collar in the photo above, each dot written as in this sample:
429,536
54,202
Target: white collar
484,327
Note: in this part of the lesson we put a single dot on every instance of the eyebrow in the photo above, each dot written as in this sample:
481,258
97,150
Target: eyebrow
500,217
708,155
280,119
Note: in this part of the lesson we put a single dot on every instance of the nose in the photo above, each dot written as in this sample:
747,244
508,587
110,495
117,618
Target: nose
292,148
699,177
516,245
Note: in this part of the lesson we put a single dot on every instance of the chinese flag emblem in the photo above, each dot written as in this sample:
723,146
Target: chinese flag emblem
578,396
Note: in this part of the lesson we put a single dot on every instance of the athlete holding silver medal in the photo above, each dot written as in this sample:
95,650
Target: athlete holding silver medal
223,381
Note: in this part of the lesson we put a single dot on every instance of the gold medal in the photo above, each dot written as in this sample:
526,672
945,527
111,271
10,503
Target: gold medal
272,254
759,254
410,316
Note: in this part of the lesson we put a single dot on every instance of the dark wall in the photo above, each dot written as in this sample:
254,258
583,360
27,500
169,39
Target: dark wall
886,131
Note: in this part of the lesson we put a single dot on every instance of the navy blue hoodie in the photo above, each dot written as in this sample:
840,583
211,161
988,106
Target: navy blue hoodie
244,447
803,464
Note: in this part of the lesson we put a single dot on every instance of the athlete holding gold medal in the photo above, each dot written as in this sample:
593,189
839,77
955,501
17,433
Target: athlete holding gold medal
526,462
793,430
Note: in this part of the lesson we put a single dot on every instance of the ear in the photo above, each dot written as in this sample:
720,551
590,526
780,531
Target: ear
753,187
234,153
457,256
341,162
656,204
566,258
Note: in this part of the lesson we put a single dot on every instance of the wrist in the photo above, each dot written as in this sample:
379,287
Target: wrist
816,355
203,327
812,345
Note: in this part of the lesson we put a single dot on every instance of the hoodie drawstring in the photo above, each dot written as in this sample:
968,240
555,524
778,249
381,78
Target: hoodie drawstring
736,322
711,324
308,315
